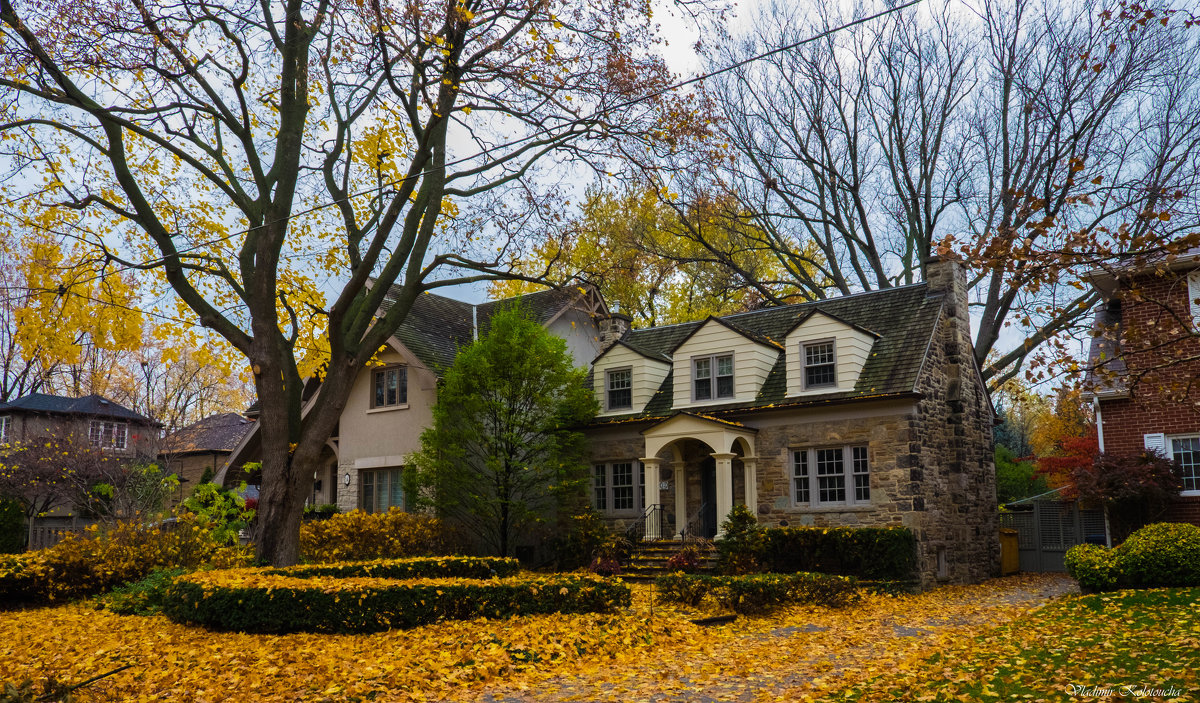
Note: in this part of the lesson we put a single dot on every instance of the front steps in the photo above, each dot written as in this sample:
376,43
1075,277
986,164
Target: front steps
649,560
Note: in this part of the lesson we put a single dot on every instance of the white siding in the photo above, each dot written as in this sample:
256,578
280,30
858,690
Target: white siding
852,348
580,332
751,363
648,375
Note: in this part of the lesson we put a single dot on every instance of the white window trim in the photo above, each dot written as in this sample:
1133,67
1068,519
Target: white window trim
122,427
1193,293
713,378
5,428
371,389
1170,452
814,493
607,388
639,488
804,385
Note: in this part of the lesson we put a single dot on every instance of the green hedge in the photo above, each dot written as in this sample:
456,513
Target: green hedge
242,600
875,553
1160,555
413,568
755,593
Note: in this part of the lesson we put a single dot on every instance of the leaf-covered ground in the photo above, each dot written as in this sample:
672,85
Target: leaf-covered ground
949,643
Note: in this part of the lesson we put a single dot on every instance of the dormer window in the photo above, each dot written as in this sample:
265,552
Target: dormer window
712,377
620,389
820,365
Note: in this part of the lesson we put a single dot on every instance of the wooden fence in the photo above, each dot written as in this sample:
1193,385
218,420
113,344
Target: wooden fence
49,531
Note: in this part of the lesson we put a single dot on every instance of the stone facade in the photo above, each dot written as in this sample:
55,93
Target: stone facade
929,455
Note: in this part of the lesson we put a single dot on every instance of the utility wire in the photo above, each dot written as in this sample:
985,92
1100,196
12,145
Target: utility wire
521,140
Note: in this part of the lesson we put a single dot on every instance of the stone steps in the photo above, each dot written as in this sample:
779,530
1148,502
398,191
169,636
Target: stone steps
649,560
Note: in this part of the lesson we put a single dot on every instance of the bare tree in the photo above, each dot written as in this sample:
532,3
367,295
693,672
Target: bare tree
209,136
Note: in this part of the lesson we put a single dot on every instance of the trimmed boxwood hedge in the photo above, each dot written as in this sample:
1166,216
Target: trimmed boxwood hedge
877,553
754,593
414,568
252,600
1163,554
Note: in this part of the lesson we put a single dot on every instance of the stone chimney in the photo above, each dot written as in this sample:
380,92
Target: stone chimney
613,327
946,276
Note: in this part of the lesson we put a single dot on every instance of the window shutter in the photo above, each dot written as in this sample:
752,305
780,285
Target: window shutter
1156,442
1193,295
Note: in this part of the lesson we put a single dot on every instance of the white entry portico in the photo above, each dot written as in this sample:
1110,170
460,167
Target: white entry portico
729,443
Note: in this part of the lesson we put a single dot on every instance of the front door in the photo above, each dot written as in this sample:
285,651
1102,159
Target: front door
708,497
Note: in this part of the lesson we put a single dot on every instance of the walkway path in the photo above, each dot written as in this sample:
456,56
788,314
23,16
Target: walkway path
788,655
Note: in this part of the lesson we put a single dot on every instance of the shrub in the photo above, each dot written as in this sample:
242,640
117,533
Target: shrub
416,568
12,526
102,559
738,551
883,553
360,536
583,537
686,559
1162,554
1158,555
254,600
143,597
1093,567
755,593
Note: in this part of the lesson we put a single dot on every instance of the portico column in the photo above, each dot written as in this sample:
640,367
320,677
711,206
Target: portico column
750,471
653,517
681,515
724,463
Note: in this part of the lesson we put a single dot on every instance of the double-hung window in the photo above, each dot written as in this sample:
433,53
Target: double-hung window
1186,450
390,387
831,476
712,377
618,487
820,365
619,383
105,434
381,489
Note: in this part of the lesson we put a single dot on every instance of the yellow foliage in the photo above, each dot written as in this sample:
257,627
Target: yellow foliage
358,536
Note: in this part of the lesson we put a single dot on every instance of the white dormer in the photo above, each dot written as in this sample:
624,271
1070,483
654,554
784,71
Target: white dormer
718,363
825,354
625,379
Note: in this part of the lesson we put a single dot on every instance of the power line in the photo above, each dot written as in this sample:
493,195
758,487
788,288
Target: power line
521,140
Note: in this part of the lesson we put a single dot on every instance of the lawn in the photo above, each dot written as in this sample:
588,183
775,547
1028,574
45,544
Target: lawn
979,642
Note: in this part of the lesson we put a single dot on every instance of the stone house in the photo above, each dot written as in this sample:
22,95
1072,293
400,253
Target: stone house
391,404
1144,368
862,410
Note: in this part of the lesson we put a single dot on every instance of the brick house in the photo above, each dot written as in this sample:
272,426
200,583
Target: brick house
1144,370
204,445
862,410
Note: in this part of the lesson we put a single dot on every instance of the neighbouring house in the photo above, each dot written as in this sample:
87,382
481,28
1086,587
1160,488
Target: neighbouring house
391,404
203,446
864,410
1144,367
98,420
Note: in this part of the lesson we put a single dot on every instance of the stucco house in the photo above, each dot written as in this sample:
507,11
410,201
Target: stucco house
389,405
92,419
862,410
1144,370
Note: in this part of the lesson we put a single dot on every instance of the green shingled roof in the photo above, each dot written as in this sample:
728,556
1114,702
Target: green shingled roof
437,326
903,317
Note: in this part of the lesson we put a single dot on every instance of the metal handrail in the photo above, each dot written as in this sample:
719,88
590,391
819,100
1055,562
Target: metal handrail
652,518
692,526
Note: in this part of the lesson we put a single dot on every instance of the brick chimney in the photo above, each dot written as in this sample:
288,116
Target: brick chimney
613,327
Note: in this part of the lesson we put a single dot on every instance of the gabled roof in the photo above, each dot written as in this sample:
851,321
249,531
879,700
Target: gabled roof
649,354
437,327
94,405
750,334
902,318
215,433
809,314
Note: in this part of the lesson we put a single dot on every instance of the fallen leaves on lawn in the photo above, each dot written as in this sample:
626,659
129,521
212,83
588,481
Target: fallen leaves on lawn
632,655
